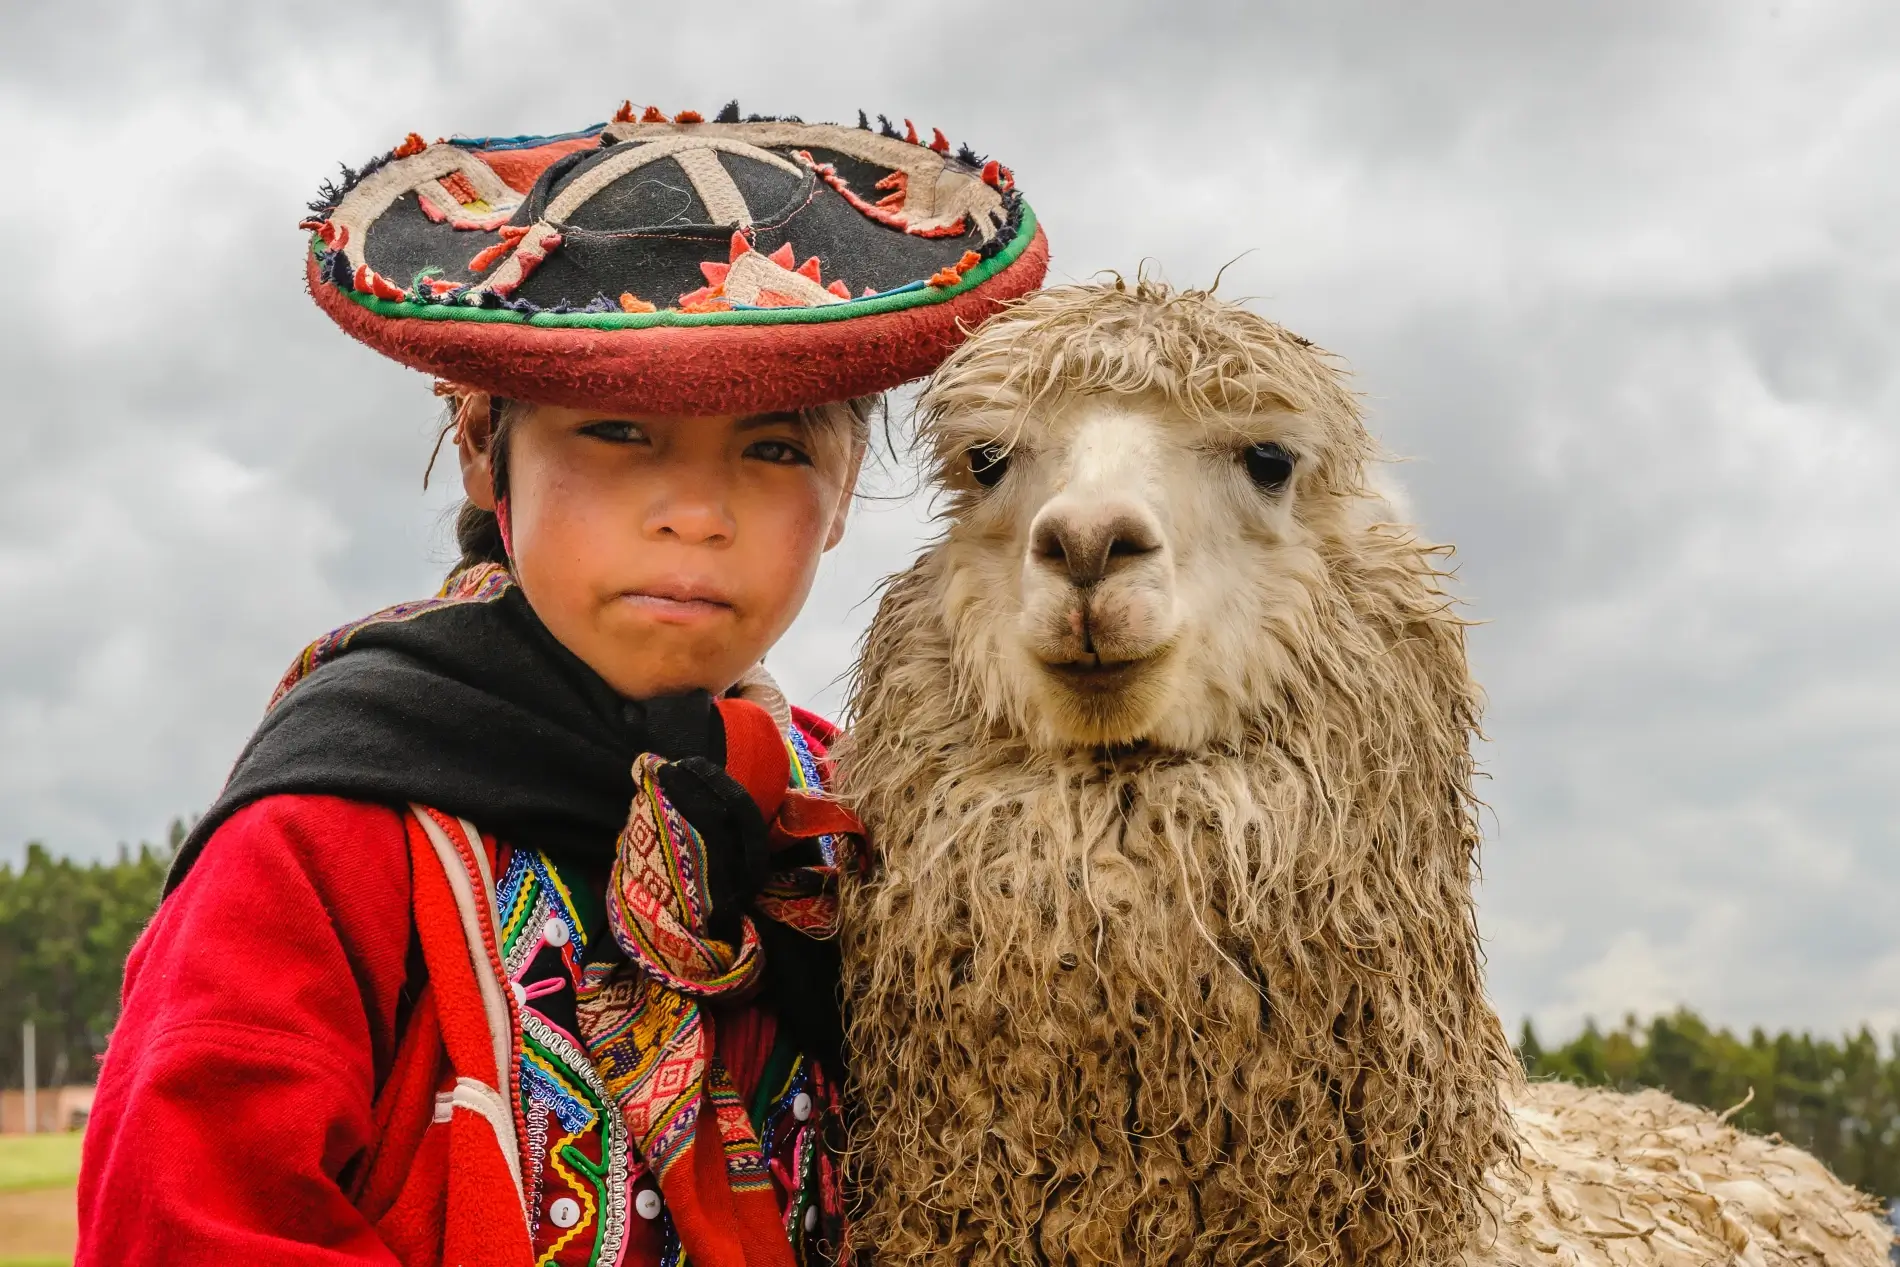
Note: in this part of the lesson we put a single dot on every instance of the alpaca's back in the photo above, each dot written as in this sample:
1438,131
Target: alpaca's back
1646,1181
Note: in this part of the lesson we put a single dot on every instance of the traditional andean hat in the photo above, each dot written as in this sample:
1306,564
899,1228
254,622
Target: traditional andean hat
674,265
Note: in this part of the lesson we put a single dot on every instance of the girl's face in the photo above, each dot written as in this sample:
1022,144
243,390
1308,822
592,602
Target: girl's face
668,553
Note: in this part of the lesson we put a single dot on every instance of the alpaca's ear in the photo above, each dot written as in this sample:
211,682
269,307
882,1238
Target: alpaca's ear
846,496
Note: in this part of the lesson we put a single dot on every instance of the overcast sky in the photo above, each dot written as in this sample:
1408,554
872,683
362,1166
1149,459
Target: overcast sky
1619,281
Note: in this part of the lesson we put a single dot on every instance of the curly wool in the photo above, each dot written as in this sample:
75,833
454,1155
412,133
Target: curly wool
1642,1180
1214,1006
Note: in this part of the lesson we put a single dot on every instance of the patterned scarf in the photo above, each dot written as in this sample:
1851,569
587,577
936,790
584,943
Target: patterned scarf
646,1020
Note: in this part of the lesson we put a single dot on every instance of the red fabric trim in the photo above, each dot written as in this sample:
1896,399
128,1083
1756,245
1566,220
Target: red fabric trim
459,188
510,1083
691,370
888,210
458,1003
803,816
481,1222
519,169
483,1225
484,259
755,754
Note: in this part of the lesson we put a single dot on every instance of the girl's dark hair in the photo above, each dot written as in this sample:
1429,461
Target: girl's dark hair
478,535
478,531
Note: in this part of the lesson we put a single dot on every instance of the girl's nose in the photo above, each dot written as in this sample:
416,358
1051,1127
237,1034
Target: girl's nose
691,517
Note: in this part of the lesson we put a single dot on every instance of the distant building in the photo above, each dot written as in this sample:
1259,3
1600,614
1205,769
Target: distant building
58,1109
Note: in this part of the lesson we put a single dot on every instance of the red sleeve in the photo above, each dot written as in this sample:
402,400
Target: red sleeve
259,1009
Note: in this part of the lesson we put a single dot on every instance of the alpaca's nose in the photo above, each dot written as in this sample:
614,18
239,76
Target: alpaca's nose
1091,544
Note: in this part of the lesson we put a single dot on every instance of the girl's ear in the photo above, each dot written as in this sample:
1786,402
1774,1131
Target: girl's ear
850,490
472,436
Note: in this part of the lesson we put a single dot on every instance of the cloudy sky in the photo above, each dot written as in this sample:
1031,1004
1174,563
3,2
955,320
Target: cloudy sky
1619,281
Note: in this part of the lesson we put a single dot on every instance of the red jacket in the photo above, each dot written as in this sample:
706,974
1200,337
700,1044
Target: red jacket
279,1088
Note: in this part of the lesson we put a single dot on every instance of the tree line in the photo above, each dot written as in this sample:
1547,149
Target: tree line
65,928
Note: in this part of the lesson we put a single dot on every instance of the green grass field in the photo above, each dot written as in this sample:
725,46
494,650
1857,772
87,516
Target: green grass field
37,1177
38,1161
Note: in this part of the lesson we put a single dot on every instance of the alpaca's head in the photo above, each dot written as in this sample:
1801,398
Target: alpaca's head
1146,488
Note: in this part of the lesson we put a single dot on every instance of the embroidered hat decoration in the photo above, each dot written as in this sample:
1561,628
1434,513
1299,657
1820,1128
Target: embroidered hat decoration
674,265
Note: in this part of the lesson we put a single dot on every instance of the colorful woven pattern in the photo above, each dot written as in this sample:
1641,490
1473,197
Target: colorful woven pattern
653,1049
658,901
646,1020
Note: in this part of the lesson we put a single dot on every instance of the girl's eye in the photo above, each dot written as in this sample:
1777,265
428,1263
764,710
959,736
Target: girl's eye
1268,465
988,464
615,432
780,452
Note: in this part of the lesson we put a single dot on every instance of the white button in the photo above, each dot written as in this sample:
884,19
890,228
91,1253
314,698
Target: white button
564,1212
521,1000
554,932
811,1218
801,1107
646,1203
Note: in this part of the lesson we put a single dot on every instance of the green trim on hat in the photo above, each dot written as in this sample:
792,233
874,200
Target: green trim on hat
976,276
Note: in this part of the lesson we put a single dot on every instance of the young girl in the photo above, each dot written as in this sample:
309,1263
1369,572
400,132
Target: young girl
507,940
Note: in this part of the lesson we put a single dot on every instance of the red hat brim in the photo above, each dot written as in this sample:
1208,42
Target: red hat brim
697,370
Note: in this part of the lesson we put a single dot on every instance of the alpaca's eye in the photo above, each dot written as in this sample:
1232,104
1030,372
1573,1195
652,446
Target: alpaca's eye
988,463
1268,465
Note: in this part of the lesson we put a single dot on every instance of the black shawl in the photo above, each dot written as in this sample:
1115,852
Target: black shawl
473,708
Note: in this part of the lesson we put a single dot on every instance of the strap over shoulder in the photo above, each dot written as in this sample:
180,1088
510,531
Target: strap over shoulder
756,754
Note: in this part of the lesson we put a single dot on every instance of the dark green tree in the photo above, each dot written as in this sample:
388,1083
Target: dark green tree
65,929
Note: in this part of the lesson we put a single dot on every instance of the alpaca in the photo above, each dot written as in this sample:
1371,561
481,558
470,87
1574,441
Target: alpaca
1168,953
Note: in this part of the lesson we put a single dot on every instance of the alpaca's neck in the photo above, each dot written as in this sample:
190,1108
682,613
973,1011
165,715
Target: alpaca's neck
1137,1009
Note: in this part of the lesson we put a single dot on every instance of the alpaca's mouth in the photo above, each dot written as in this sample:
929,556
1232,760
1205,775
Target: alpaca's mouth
1096,675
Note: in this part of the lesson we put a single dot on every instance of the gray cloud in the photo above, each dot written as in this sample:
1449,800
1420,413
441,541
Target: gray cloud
1620,282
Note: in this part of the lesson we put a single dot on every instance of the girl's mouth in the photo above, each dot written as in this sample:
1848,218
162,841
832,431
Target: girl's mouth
677,602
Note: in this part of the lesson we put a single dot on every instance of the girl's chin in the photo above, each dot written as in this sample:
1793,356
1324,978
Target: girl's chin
644,657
